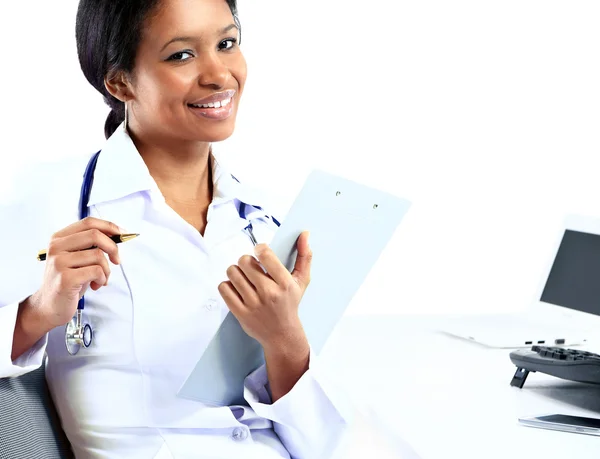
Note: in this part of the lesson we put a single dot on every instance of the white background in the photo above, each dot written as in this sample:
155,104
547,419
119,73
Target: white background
485,114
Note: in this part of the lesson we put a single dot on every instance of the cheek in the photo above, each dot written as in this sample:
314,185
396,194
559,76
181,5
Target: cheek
240,71
162,87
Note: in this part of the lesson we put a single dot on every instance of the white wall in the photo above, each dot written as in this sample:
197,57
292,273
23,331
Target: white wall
485,114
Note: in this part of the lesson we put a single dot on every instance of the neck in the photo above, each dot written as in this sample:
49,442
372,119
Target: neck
183,171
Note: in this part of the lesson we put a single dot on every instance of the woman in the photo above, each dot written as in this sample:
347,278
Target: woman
173,74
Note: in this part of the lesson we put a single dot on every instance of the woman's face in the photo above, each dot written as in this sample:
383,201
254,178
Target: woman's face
189,72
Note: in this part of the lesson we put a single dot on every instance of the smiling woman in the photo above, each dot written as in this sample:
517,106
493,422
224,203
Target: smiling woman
166,58
173,73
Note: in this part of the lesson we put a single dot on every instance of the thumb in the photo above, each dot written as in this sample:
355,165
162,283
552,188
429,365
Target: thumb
301,272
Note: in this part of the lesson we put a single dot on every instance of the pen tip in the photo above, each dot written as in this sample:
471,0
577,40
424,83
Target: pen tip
128,237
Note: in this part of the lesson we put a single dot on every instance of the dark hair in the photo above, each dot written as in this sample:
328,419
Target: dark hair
108,34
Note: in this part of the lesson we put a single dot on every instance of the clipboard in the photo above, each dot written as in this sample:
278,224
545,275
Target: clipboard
350,224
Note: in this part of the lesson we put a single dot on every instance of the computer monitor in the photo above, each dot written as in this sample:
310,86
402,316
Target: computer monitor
574,278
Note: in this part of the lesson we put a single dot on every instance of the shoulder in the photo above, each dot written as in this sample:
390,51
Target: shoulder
44,179
40,200
42,195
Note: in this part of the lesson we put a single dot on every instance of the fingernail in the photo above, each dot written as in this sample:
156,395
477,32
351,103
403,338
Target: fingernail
260,248
123,231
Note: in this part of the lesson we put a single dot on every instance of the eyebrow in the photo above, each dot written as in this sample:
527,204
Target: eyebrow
189,38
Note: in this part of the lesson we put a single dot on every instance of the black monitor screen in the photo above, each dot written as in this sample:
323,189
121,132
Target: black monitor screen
574,280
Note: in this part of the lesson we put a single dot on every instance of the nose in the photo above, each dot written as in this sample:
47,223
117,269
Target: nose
212,71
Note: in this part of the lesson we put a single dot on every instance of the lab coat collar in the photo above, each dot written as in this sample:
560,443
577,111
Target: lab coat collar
227,188
121,172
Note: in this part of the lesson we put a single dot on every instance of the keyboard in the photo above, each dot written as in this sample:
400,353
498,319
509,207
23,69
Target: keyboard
570,364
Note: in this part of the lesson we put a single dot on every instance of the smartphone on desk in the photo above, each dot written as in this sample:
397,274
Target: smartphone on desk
564,423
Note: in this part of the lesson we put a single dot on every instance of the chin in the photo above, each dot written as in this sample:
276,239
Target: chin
207,132
216,134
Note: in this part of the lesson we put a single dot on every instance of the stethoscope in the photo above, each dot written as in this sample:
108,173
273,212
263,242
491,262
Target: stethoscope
78,333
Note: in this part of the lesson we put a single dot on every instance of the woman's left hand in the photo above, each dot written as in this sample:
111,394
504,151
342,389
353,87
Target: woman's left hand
266,305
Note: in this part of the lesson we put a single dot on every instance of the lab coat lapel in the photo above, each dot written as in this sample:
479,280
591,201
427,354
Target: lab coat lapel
171,276
166,275
171,321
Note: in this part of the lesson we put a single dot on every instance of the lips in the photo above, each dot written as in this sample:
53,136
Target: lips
218,106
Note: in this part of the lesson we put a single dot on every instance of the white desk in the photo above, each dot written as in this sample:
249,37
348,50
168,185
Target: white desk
449,398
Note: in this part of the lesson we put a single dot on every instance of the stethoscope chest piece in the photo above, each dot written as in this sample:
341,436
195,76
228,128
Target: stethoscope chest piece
77,334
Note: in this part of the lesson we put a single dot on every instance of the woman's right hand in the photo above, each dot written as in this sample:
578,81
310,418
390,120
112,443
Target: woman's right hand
71,269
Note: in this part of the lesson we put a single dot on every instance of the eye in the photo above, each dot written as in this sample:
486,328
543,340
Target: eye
181,56
227,44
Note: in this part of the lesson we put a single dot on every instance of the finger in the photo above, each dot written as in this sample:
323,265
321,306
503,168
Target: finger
242,285
254,272
232,298
85,240
272,265
84,258
87,275
93,285
88,223
301,271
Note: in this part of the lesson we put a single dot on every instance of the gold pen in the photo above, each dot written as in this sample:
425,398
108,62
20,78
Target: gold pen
117,238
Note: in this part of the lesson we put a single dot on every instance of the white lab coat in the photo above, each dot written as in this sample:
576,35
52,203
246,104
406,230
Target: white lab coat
152,322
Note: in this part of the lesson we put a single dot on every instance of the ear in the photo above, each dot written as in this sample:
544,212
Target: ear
118,85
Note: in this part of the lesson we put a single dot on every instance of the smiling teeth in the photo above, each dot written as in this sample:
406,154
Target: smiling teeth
223,103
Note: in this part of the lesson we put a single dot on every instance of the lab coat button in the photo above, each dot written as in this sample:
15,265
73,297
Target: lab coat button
239,434
211,305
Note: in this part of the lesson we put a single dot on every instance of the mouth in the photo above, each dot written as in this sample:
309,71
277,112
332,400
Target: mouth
219,106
